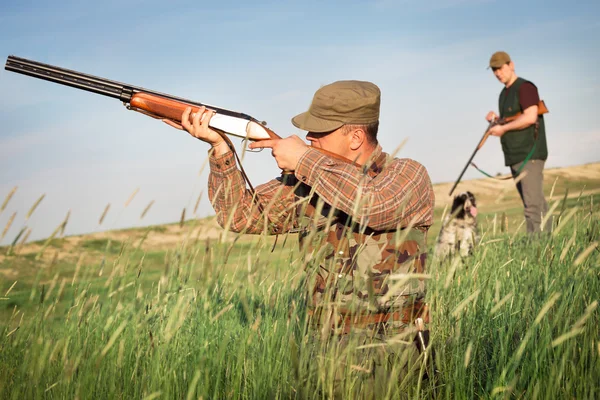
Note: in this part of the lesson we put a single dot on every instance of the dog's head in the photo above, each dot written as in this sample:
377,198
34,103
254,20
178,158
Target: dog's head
464,205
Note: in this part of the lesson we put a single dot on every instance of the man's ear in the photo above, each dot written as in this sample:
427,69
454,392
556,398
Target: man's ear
357,138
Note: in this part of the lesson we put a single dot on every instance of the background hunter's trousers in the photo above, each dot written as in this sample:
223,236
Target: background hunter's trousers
531,189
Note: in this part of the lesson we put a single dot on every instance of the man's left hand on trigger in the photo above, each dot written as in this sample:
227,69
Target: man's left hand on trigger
287,152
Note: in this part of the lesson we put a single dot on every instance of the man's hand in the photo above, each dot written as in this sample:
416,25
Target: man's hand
527,118
287,152
196,124
497,130
491,116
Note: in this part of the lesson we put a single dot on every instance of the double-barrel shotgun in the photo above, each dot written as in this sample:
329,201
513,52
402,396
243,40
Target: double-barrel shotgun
149,102
154,104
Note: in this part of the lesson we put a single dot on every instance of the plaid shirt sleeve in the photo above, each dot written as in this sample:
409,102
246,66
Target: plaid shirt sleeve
400,195
271,208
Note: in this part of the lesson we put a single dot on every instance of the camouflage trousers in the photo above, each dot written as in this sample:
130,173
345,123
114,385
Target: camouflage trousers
361,364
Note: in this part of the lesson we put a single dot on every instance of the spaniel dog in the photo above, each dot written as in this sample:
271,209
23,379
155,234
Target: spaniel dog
459,229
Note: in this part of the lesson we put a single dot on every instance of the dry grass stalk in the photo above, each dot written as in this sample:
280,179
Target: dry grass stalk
113,338
192,387
132,196
588,313
34,206
578,327
568,245
464,303
501,303
51,386
47,242
581,258
64,223
223,311
563,338
10,288
54,259
121,353
153,396
546,308
549,214
23,241
182,220
468,354
8,225
78,267
16,239
563,221
104,214
7,199
146,209
552,190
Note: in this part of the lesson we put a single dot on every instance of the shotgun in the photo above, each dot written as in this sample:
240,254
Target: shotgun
154,104
541,111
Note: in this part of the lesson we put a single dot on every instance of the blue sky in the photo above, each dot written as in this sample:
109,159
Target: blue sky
267,59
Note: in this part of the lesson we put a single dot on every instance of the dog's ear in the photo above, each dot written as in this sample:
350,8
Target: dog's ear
457,203
472,198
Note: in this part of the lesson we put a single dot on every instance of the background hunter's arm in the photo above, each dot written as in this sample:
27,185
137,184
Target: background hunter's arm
529,100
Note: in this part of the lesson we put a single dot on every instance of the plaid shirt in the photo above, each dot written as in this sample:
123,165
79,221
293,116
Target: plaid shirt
399,194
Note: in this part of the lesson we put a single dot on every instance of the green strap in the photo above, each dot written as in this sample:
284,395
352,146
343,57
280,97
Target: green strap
519,170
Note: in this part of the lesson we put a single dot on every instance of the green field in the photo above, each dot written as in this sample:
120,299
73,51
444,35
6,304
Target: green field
113,317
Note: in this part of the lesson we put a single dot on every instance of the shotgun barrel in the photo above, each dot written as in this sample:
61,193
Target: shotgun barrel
149,102
471,158
117,90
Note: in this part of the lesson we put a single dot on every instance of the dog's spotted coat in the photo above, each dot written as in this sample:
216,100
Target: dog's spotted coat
459,229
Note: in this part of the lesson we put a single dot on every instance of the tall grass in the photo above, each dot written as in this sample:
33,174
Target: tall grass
212,320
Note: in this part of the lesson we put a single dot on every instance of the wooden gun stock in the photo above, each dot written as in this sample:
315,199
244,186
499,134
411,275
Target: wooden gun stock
542,109
164,108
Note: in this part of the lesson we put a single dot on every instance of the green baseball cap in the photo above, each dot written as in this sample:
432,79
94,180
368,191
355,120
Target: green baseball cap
498,59
341,103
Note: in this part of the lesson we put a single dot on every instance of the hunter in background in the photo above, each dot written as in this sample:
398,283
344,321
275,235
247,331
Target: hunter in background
523,139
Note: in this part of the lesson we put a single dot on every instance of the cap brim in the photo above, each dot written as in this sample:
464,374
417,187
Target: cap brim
310,123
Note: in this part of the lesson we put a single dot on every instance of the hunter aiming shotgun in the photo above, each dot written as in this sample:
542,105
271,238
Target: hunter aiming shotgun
154,104
501,121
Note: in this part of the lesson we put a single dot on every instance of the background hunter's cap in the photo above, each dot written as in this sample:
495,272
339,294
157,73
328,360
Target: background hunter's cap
340,103
498,59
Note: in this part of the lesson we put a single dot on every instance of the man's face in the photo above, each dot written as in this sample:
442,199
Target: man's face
505,73
334,141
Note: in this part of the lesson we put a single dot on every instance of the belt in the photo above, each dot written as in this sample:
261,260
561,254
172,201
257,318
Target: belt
346,321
